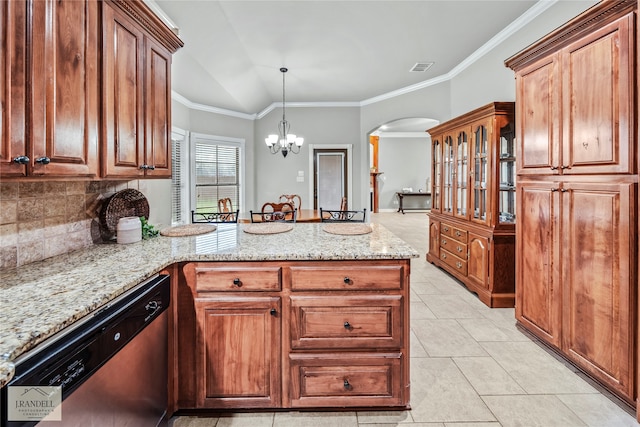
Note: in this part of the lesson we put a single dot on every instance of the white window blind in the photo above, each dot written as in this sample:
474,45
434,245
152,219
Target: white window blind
179,177
217,170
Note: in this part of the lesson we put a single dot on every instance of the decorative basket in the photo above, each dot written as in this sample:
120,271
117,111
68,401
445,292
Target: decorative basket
124,203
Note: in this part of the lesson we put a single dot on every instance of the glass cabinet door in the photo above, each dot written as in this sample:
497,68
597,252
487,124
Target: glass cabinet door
480,171
461,175
436,174
507,193
447,175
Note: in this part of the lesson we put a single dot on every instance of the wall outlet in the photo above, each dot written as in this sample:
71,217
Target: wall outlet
300,178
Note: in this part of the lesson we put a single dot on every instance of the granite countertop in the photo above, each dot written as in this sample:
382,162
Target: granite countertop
43,298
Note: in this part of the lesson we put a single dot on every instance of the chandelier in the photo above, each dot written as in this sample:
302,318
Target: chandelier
284,142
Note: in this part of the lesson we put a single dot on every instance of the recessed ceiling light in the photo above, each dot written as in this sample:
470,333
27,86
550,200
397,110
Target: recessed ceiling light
421,67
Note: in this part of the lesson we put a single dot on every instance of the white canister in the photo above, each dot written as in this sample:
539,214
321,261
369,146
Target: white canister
129,230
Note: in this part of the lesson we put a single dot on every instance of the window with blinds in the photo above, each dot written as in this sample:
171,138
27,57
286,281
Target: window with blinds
179,194
217,169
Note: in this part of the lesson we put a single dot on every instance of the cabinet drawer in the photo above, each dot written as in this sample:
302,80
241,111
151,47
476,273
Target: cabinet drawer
241,277
346,322
346,277
454,232
460,249
350,379
460,265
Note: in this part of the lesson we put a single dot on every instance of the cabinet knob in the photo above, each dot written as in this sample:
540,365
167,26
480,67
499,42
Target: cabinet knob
444,242
564,167
459,249
347,386
44,160
346,280
445,228
347,325
564,190
444,256
237,282
553,168
151,167
554,190
21,160
144,167
459,264
273,312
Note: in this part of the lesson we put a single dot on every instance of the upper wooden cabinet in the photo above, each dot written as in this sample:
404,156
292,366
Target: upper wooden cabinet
58,99
576,103
473,201
136,93
50,89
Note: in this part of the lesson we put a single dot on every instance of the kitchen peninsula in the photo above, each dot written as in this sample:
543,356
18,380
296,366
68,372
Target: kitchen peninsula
339,303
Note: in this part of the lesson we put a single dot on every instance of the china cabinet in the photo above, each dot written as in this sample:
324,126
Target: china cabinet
576,253
472,219
293,334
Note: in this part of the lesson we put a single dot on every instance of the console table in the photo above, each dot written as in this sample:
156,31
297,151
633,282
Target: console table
402,195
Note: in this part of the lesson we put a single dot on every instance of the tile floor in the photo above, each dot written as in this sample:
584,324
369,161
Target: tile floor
470,366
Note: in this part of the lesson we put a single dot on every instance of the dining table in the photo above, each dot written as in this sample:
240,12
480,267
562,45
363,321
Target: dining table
304,215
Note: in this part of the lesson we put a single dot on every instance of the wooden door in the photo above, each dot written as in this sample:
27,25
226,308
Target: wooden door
13,36
434,240
538,118
598,290
598,92
238,352
123,44
538,285
157,110
478,261
64,88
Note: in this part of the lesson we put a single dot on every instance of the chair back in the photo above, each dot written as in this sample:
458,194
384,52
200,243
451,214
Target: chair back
225,205
294,199
214,217
343,215
343,204
286,215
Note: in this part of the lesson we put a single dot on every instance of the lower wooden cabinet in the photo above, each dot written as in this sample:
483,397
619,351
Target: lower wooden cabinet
284,334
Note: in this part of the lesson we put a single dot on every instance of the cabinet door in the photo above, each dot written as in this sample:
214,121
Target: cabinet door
461,175
64,88
434,239
448,168
123,80
598,91
436,174
538,286
478,262
598,281
157,110
537,118
238,352
13,35
480,172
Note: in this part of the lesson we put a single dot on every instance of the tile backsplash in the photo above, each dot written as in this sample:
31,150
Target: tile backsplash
39,220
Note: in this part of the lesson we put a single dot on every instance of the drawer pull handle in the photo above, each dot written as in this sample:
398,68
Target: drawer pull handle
237,282
346,280
273,312
444,242
43,160
459,264
347,386
444,256
458,233
21,160
459,249
446,228
347,325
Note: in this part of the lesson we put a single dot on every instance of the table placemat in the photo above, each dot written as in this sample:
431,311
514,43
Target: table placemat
188,230
347,229
267,228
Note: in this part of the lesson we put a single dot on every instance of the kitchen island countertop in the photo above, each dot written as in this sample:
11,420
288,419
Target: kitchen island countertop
40,299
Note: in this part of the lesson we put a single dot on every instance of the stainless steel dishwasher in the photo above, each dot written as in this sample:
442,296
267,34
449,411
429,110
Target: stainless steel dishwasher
111,365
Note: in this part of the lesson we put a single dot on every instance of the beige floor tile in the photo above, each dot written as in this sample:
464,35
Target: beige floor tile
419,310
535,370
440,393
384,417
532,411
246,420
486,376
403,425
496,424
315,419
193,422
446,338
597,410
416,349
451,307
488,330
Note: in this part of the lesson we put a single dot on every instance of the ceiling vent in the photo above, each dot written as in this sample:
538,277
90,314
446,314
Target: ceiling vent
421,67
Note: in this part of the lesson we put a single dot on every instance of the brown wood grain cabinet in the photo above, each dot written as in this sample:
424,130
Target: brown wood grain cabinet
54,98
293,334
577,281
136,92
471,223
74,106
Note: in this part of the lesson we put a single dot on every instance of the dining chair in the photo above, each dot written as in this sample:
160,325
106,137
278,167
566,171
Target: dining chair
214,217
343,215
282,212
343,204
225,205
294,199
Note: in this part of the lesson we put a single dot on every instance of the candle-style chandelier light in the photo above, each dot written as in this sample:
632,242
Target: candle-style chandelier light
284,142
